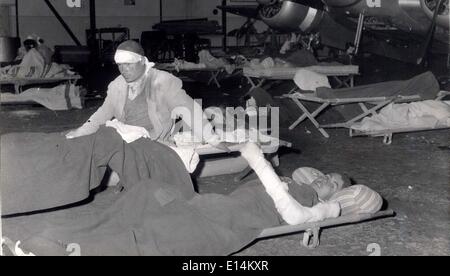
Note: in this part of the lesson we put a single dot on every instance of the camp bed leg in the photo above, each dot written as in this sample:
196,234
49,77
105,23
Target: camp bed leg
310,116
311,238
18,88
387,139
366,112
214,75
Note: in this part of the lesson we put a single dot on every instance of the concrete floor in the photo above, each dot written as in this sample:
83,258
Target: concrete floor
412,175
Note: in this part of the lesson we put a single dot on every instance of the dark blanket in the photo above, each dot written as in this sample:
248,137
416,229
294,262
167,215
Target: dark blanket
41,171
424,85
158,214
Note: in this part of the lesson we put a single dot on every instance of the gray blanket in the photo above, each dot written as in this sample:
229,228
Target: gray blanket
425,85
158,214
41,171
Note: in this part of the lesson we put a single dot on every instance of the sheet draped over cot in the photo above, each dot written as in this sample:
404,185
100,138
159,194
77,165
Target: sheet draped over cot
158,214
57,98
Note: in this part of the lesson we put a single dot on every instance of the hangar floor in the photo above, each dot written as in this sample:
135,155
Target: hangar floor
412,174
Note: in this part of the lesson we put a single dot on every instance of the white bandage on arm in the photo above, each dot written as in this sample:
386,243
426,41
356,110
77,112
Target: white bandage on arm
290,210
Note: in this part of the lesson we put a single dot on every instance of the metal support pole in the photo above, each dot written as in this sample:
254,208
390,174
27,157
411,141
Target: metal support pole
224,26
17,18
160,11
359,32
63,23
92,16
93,24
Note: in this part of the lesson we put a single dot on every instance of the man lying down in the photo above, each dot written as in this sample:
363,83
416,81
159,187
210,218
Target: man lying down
159,213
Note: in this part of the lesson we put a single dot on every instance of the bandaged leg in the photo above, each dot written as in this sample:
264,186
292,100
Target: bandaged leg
290,210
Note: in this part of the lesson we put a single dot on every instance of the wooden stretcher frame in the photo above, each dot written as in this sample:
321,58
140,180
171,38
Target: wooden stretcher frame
344,79
387,134
311,238
19,83
270,151
377,102
214,72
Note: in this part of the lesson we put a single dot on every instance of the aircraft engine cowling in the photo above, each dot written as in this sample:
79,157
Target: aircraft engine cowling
429,7
267,2
290,16
340,3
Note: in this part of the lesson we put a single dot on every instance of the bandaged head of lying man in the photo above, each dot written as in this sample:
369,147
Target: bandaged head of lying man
130,58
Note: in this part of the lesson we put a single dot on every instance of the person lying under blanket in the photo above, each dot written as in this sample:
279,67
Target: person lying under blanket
159,213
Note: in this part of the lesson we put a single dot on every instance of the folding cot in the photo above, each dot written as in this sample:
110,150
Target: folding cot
228,163
311,237
214,72
68,81
343,74
370,98
378,102
19,83
387,133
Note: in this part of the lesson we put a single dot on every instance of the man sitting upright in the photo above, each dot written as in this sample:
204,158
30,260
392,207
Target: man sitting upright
145,97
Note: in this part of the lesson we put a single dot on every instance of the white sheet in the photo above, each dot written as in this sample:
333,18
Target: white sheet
424,114
51,98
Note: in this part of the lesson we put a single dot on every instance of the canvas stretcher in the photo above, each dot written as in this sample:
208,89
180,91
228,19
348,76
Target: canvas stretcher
19,83
343,74
311,238
213,72
368,105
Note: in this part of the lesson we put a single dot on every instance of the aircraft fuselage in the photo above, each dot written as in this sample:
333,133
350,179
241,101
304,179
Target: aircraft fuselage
395,22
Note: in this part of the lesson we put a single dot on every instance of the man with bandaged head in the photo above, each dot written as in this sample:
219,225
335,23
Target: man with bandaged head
145,97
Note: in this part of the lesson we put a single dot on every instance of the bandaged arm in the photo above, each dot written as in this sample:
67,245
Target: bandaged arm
290,210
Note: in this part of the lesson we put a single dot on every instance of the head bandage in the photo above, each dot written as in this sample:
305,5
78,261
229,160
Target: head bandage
123,56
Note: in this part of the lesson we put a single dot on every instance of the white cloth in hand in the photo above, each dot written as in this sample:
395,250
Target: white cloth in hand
189,157
128,133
